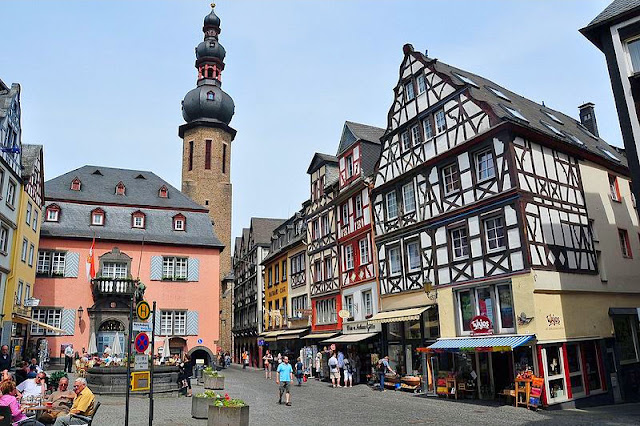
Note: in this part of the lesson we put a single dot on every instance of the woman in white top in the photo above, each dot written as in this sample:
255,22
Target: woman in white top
268,359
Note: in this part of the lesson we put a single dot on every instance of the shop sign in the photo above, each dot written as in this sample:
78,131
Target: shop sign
344,314
361,327
481,324
553,320
260,342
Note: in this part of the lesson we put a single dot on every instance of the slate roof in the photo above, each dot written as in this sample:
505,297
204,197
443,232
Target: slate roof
262,229
30,154
6,95
74,222
288,242
319,159
613,11
100,188
369,154
534,113
362,132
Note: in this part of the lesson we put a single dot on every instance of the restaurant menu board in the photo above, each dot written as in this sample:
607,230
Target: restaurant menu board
536,391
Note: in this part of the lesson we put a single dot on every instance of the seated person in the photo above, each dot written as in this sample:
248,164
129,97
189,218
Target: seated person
34,386
8,399
22,372
34,366
61,400
83,405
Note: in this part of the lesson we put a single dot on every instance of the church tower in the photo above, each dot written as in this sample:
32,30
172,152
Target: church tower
206,153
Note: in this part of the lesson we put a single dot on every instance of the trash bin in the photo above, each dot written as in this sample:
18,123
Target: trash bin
198,372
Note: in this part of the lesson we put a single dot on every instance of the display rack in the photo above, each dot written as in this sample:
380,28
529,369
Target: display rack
523,391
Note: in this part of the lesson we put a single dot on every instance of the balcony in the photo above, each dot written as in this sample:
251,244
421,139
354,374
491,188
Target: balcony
113,287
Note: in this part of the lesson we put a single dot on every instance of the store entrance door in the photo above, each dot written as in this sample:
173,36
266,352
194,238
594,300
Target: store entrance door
502,368
485,375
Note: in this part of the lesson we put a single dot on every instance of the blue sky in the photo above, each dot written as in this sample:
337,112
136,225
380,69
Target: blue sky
102,81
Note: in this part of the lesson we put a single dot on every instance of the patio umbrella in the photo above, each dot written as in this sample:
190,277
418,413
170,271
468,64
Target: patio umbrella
92,344
165,350
117,349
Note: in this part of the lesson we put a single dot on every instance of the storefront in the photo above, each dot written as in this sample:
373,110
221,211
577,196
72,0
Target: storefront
312,346
285,342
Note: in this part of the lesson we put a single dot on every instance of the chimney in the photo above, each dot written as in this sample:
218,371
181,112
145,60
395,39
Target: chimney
588,117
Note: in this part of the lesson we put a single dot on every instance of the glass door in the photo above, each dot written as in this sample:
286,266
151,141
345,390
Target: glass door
556,385
485,375
574,359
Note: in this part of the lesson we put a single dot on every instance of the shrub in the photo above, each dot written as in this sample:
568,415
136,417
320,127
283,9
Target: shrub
209,371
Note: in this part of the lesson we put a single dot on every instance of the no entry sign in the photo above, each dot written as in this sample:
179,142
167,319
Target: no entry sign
141,343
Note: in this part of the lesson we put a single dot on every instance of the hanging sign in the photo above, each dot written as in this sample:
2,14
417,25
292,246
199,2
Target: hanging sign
143,310
344,314
141,342
141,326
481,325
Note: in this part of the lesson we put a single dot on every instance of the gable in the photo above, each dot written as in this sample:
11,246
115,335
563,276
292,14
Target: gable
346,140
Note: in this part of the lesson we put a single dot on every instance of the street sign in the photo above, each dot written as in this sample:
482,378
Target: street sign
141,362
344,314
200,341
140,380
31,302
141,326
143,310
141,342
260,342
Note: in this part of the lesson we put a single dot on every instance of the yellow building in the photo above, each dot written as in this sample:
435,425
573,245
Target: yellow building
275,292
24,253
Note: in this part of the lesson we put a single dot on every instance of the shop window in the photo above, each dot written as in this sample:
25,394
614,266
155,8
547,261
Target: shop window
412,330
574,361
431,323
627,338
495,302
326,311
592,366
554,372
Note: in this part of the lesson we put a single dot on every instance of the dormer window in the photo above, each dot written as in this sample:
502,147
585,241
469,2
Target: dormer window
163,192
120,188
53,213
76,184
211,96
179,222
138,220
97,217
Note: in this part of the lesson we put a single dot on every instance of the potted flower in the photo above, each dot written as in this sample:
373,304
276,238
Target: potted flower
227,411
212,379
200,403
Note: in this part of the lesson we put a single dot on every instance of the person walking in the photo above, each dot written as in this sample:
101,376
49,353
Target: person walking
383,368
245,359
68,358
268,360
318,365
334,370
284,377
348,373
341,366
299,371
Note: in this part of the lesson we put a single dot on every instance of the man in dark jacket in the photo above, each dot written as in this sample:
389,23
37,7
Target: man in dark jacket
5,358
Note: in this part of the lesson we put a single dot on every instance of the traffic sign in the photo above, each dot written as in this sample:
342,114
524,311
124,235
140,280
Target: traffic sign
143,310
141,326
141,342
141,362
200,341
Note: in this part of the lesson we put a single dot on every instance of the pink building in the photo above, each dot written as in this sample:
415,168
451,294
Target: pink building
145,230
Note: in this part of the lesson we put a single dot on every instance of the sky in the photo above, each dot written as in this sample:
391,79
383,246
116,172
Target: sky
102,81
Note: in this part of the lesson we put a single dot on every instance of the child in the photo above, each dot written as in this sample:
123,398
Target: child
299,371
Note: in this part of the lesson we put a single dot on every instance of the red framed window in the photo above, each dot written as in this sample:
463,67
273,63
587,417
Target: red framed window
625,244
179,223
163,192
120,188
53,213
76,185
138,220
614,189
97,217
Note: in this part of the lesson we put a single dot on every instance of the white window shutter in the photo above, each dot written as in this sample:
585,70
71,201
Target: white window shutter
71,264
68,321
193,273
156,318
156,268
192,323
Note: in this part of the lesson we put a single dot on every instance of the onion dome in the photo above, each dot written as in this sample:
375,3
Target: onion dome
212,20
208,102
210,49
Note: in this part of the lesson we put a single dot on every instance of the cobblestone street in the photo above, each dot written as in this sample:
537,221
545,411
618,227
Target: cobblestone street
316,403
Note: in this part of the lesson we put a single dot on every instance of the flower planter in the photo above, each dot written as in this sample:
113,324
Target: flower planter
200,407
228,416
211,382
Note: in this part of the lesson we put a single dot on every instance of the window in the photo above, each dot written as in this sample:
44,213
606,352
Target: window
499,94
138,220
207,154
394,261
459,243
574,139
224,158
276,274
633,47
53,213
298,305
27,292
120,188
173,323
190,155
325,225
441,122
358,204
428,128
269,277
76,184
163,192
422,86
451,178
495,302
179,223
211,96
484,166
31,254
515,113
416,135
114,270
406,141
19,288
392,205
574,362
52,317
50,263
11,194
175,268
553,117
328,270
4,238
409,91
326,311
627,337
363,244
465,79
367,302
348,305
345,213
625,244
316,229
408,198
349,166
413,256
348,257
28,213
317,268
614,189
494,230
25,245
297,263
97,217
35,220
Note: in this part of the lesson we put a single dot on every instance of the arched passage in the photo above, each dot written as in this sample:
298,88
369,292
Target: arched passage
201,352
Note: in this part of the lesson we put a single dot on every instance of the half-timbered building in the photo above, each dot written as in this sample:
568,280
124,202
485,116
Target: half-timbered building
484,202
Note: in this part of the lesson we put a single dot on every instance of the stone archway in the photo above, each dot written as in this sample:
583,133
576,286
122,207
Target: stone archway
201,350
107,332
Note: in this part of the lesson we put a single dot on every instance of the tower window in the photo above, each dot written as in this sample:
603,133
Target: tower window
190,155
224,158
76,184
207,154
211,96
163,192
120,188
209,72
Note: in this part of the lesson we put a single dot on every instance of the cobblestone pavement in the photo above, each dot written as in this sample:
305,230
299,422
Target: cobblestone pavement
316,403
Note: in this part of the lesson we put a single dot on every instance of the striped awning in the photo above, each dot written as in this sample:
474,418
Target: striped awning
291,334
320,335
481,344
398,315
350,338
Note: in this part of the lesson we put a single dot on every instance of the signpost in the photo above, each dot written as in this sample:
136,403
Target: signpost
143,310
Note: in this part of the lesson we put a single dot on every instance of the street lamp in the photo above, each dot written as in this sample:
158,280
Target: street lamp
80,311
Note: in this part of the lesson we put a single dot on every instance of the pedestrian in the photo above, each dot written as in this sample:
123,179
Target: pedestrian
68,358
268,359
245,359
279,358
348,373
283,380
227,359
334,370
383,367
341,366
299,371
318,365
5,358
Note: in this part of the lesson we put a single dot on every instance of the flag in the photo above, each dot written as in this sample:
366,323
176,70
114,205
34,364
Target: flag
91,262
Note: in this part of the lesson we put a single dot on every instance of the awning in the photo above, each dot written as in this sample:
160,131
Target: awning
350,338
291,334
269,336
480,344
399,315
26,320
320,335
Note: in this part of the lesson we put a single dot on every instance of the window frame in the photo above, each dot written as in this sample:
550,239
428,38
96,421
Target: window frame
477,163
48,263
25,248
12,188
625,243
409,88
391,261
496,318
416,135
421,87
367,307
454,177
395,201
415,243
436,115
486,229
348,257
175,264
357,202
4,238
97,213
349,165
53,214
363,248
410,185
461,238
614,189
405,141
428,127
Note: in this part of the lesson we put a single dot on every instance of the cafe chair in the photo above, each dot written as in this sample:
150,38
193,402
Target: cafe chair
87,419
5,413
